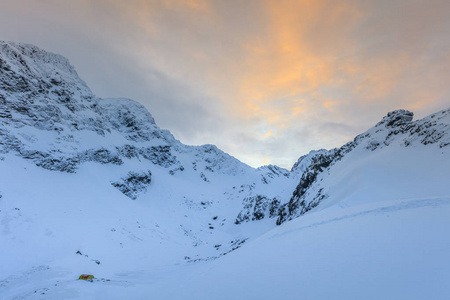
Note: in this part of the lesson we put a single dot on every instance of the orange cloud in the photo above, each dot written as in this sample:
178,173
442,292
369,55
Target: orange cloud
268,134
297,67
296,53
331,54
196,5
345,60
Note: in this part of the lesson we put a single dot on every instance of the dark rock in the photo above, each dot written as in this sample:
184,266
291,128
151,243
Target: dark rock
396,118
159,155
319,162
103,156
257,208
133,184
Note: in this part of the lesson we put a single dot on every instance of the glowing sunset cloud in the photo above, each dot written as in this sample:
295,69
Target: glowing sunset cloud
265,80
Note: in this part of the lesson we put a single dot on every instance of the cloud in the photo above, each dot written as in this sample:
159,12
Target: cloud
265,80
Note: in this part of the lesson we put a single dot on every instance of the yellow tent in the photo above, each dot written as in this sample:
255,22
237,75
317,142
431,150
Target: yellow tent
86,277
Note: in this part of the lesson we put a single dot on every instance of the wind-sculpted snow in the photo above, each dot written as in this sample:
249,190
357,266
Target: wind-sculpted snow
210,159
381,208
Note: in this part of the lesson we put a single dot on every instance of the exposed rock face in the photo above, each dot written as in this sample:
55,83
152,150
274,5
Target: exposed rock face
39,88
257,208
297,205
396,118
134,183
305,161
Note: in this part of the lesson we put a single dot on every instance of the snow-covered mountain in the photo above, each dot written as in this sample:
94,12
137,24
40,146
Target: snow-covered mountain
90,185
103,153
50,117
395,134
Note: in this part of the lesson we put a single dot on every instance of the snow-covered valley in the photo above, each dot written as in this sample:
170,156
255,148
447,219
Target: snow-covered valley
94,186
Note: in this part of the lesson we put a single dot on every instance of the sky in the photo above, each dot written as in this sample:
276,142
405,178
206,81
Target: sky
264,80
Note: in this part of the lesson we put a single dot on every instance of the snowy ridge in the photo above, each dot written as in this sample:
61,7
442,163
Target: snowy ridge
395,130
305,161
50,116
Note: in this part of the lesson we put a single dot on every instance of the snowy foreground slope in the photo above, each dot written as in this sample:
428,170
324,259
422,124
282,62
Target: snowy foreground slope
94,186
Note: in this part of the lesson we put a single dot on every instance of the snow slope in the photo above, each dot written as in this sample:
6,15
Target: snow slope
94,186
381,251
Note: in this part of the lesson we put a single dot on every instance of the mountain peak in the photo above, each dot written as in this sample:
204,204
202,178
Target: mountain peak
396,118
28,69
